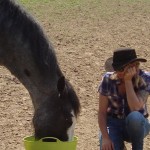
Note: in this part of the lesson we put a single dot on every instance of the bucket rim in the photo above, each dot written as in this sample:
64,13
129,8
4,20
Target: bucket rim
75,139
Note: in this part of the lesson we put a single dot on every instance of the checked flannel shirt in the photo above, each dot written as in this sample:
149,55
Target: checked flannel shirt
118,104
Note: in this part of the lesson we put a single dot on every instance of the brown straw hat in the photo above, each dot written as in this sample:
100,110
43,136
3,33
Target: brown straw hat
121,58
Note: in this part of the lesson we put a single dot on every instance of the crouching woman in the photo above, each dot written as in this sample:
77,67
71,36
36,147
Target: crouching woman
123,95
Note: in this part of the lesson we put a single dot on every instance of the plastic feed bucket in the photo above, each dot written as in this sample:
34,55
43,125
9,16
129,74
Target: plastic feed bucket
31,144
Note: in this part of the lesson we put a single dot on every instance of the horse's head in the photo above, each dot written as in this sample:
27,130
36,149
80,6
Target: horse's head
56,116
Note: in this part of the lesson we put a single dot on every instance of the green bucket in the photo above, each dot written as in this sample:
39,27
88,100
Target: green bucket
31,144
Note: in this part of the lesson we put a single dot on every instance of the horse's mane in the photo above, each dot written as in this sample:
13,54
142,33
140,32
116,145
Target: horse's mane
73,97
20,30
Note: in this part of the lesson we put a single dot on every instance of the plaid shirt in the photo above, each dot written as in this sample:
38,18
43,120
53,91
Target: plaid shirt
118,105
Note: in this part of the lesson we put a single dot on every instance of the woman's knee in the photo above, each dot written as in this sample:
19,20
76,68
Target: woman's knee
135,119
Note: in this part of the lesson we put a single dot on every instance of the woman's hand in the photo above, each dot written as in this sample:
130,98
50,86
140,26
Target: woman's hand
135,103
107,144
129,73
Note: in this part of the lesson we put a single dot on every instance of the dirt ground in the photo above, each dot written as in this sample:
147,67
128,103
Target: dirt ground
83,37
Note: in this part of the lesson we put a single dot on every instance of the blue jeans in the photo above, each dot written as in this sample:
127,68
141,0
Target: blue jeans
133,129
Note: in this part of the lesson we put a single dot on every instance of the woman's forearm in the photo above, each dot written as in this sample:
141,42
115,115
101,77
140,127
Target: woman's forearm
102,124
133,101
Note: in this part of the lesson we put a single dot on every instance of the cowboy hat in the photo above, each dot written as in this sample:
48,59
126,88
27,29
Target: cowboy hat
121,58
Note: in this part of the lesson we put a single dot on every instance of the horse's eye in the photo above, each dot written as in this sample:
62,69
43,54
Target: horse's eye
69,121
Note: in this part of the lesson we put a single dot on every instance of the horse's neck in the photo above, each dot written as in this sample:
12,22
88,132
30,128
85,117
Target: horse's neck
27,56
38,85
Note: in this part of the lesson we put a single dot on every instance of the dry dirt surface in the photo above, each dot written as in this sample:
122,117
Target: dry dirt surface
83,34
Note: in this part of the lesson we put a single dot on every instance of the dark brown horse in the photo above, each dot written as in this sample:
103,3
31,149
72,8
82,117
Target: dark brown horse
27,53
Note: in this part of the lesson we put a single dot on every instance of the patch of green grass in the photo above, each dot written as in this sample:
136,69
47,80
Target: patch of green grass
55,3
63,9
51,7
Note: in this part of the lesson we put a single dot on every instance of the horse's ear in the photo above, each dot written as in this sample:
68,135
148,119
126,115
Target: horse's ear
61,84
